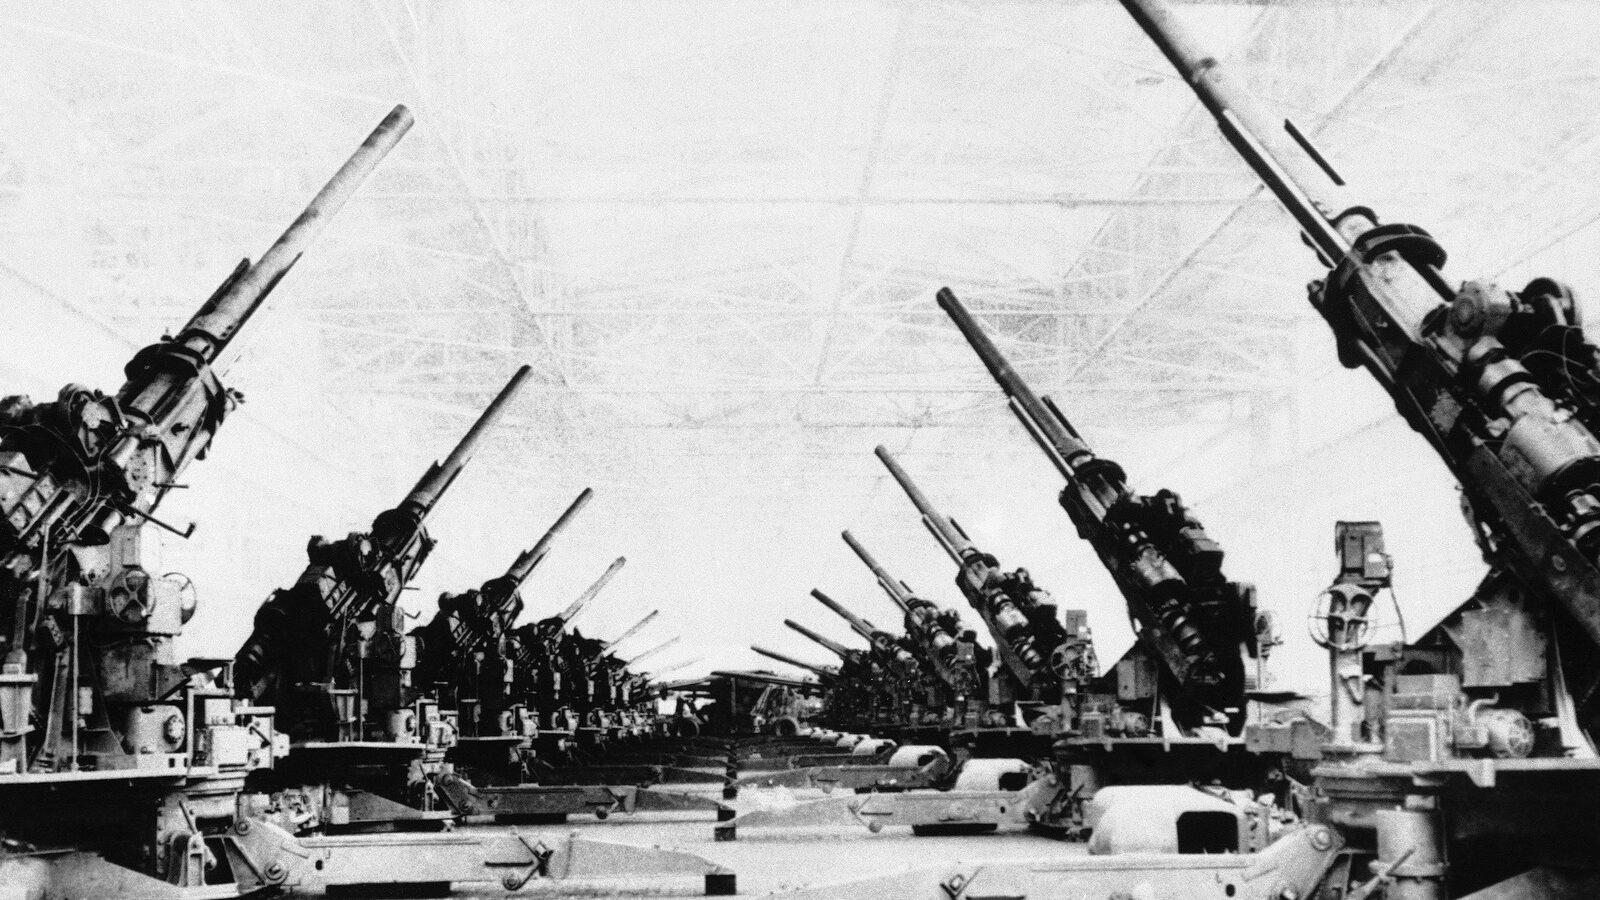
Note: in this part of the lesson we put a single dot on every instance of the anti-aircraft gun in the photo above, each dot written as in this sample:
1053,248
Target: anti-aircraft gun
1020,616
90,680
613,706
632,702
545,673
902,674
1503,385
1505,388
885,645
330,655
946,648
855,697
462,652
1198,624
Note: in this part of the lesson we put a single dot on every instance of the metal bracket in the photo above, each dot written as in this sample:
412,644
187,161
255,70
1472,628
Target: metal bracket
185,534
541,865
955,885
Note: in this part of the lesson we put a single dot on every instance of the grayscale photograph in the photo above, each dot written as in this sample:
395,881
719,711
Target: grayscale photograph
808,449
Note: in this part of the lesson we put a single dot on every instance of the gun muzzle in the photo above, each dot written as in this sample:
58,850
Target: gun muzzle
654,650
637,627
820,670
832,646
441,475
947,534
857,624
889,583
243,294
1065,450
530,558
577,606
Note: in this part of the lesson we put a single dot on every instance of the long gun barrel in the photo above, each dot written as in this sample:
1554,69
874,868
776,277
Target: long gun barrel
654,650
1500,383
821,671
529,559
857,624
882,642
500,598
441,474
674,667
1053,433
637,627
168,381
577,606
1289,177
832,646
942,528
210,332
896,589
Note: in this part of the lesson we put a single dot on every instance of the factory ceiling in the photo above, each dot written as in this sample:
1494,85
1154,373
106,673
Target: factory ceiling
715,231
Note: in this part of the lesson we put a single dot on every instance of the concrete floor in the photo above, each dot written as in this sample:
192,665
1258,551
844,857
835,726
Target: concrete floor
770,861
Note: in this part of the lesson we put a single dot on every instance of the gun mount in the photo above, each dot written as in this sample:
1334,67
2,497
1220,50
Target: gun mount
328,652
88,631
1020,616
943,643
590,678
1198,623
